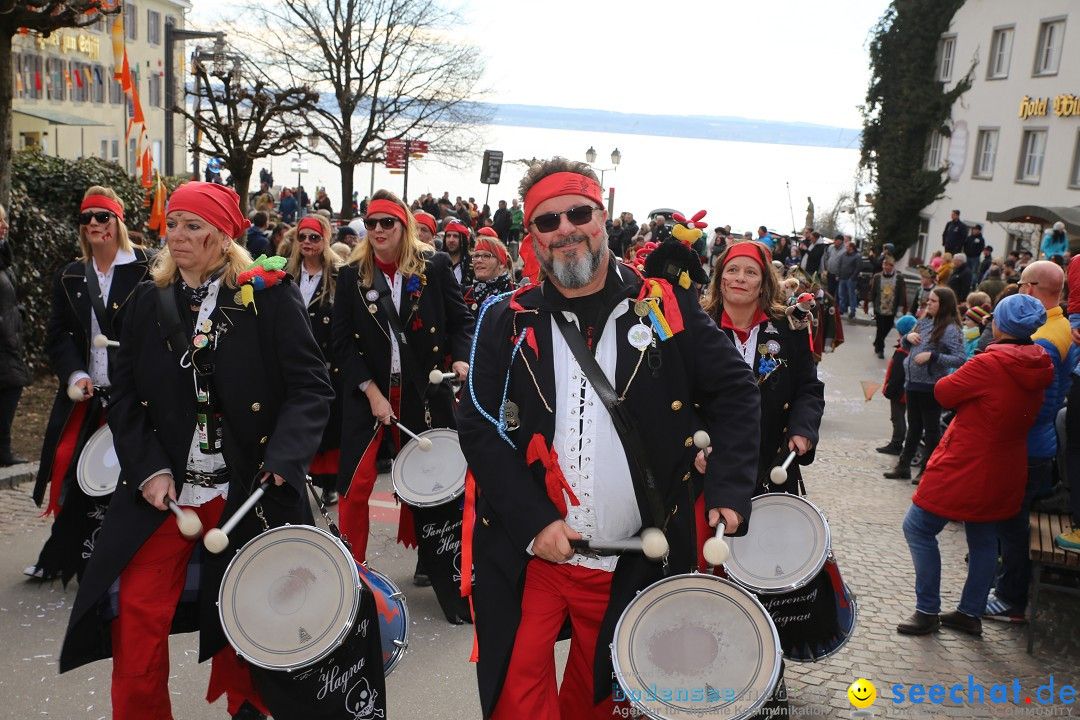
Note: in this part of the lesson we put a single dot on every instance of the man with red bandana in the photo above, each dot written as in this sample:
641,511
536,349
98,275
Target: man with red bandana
550,467
456,244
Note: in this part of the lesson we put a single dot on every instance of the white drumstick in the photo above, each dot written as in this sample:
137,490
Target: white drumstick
702,440
76,393
437,376
100,341
778,475
189,523
652,543
425,443
716,550
217,539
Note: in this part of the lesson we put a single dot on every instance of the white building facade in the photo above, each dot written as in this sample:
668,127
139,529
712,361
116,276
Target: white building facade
1013,158
65,98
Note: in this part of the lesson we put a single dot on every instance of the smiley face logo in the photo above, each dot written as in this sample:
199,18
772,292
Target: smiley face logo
862,693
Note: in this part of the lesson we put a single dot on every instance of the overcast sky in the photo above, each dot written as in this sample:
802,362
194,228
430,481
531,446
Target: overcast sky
776,60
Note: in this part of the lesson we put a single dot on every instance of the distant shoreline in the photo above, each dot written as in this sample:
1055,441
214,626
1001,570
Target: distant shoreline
732,129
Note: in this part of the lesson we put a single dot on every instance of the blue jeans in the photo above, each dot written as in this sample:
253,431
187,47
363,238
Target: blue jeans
921,529
848,298
1012,586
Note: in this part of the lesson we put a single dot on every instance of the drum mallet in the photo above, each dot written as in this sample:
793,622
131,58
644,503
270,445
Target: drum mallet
425,443
716,550
437,376
652,543
189,523
100,341
217,539
778,475
76,393
702,440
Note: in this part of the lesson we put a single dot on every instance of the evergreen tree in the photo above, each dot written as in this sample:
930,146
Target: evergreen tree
905,104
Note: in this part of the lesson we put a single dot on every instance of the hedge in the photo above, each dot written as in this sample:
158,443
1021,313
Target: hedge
45,198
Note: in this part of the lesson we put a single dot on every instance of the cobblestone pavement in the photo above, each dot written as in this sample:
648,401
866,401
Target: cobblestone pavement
434,680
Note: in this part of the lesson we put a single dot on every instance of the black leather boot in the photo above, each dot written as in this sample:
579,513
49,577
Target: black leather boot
902,471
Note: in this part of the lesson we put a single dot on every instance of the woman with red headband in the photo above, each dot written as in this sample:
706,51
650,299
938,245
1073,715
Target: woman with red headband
313,266
385,359
218,389
90,298
456,241
744,299
491,266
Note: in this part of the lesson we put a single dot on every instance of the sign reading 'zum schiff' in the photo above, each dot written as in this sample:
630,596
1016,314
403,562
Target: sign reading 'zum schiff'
1064,106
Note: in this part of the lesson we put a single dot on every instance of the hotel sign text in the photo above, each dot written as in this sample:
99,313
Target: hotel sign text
1061,105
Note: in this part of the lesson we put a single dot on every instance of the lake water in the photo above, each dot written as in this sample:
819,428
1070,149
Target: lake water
739,183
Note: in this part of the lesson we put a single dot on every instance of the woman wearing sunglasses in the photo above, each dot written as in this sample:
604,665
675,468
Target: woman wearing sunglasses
491,267
398,314
90,297
313,265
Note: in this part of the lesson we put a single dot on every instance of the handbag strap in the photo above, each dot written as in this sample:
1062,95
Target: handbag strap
97,304
644,480
408,361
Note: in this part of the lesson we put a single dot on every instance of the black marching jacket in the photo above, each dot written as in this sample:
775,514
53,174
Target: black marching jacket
68,344
696,381
273,394
436,324
321,312
792,401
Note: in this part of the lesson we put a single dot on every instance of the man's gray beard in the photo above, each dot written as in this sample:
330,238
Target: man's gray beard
575,273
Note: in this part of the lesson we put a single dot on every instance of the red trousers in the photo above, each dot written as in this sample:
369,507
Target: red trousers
354,514
150,588
530,690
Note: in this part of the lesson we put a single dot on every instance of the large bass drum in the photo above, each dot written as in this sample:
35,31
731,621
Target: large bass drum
98,469
293,605
695,646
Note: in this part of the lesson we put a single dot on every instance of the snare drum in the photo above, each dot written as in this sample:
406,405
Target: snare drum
432,477
98,469
393,616
693,646
292,604
785,547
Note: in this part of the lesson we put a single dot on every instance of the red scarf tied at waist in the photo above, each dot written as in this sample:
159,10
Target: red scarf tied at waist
553,477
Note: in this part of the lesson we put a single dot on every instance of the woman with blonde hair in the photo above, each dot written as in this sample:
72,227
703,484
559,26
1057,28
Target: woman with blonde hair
398,315
313,265
90,298
218,389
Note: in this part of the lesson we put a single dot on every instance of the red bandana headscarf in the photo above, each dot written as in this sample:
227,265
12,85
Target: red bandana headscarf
561,183
216,204
103,201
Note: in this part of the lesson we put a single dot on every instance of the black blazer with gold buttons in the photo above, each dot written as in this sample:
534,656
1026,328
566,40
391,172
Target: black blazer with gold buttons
68,344
436,324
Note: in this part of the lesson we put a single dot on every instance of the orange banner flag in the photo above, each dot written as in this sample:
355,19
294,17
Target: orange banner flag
119,55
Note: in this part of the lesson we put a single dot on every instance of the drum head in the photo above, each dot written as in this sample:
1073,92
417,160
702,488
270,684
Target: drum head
431,477
288,597
694,646
393,616
785,547
98,469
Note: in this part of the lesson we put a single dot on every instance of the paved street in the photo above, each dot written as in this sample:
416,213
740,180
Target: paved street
435,680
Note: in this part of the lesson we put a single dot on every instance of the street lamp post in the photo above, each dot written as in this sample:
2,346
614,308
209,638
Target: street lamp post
616,158
172,36
299,167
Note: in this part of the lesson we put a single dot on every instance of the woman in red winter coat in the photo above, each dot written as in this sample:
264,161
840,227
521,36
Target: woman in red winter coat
997,395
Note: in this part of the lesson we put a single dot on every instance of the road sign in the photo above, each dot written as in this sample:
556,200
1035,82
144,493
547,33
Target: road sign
491,167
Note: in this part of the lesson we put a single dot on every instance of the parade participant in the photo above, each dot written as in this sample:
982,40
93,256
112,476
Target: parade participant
425,227
997,396
385,360
197,343
313,265
744,300
562,471
491,266
90,298
456,245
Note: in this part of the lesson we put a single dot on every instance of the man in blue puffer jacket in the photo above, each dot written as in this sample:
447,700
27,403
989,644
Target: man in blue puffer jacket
1042,280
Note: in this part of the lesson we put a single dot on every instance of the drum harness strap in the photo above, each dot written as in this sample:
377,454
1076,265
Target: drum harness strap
644,479
408,360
